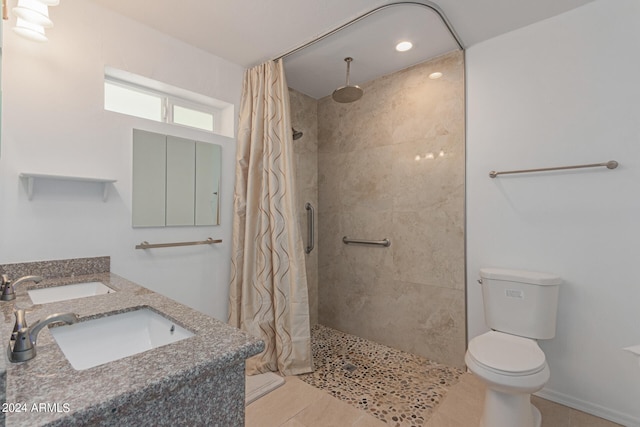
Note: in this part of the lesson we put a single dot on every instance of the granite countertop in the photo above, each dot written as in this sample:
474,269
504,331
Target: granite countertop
50,379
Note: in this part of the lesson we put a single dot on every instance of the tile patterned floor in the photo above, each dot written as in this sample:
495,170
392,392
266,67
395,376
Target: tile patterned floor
398,388
340,398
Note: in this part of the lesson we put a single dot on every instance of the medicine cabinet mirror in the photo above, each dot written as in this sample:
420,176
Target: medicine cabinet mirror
176,181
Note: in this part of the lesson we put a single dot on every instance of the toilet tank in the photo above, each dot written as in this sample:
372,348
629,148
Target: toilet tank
518,302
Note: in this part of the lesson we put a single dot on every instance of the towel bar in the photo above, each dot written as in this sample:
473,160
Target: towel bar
611,164
147,245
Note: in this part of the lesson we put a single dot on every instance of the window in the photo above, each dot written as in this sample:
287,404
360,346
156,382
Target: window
131,101
192,116
134,95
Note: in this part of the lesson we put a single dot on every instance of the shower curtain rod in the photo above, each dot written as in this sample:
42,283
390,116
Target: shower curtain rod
423,3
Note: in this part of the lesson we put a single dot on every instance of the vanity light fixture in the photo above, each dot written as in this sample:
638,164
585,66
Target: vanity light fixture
33,11
32,17
404,46
30,31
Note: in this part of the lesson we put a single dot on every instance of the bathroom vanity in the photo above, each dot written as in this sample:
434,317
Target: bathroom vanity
196,381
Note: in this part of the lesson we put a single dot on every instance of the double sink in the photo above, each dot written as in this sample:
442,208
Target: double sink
97,341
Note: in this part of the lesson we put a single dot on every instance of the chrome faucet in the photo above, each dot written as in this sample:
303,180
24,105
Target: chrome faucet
21,323
7,288
24,347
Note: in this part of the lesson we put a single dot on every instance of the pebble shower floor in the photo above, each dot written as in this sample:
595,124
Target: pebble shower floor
399,388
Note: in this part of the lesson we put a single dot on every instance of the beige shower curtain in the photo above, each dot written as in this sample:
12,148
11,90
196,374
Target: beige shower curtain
268,295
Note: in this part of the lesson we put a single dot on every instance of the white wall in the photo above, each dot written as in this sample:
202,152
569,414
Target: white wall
53,122
561,92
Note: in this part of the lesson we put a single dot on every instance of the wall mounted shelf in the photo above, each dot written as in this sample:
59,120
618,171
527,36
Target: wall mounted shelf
31,178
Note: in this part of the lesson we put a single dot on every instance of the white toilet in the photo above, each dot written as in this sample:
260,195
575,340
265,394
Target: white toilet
520,307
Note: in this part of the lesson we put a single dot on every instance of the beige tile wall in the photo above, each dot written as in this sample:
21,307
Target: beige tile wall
304,118
357,164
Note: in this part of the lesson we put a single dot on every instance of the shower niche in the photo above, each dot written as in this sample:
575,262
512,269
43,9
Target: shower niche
389,164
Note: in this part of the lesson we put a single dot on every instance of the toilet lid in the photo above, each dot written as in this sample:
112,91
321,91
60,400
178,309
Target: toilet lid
507,354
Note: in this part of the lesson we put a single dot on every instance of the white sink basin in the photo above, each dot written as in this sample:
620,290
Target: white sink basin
67,292
98,341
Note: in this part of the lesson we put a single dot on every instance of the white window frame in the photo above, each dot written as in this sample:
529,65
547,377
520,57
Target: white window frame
168,99
136,88
173,101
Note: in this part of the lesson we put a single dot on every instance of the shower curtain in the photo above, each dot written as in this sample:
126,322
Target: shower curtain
268,295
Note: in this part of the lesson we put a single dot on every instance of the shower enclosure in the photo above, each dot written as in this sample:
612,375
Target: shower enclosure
389,165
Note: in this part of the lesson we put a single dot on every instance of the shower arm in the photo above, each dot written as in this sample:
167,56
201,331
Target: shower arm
348,60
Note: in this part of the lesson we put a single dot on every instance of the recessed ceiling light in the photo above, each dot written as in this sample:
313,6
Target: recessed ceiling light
435,75
404,46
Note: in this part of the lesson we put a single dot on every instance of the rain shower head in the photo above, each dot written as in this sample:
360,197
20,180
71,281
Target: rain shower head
348,92
296,134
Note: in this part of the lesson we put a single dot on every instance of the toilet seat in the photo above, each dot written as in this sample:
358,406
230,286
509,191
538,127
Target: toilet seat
506,354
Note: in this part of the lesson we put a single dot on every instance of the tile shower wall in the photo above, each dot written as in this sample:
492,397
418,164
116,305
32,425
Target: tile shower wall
391,165
304,118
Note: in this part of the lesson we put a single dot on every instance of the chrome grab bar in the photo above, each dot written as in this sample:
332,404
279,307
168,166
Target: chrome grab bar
147,245
611,164
384,242
310,227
